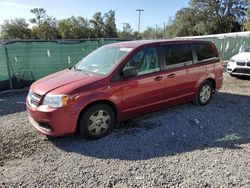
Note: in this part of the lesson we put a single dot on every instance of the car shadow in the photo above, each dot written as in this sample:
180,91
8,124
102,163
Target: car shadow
12,102
224,123
243,77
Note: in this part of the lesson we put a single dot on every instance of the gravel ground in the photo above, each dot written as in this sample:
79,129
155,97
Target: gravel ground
183,146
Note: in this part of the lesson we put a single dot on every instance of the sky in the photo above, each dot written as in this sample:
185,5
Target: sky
156,12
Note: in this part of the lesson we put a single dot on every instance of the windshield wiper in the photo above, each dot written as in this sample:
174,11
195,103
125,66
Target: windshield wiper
85,72
76,68
81,70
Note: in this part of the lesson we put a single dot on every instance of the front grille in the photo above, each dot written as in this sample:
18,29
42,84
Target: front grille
240,63
248,63
242,71
35,99
45,126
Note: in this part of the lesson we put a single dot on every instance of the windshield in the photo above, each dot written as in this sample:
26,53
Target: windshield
248,49
102,60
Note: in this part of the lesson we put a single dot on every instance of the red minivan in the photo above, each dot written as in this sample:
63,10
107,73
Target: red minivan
121,81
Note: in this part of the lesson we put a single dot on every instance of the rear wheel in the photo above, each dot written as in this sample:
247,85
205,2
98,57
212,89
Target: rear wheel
204,94
97,121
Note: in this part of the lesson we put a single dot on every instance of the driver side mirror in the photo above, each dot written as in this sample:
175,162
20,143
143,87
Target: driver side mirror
129,72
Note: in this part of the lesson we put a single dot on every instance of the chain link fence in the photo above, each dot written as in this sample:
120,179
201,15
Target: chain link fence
228,44
23,62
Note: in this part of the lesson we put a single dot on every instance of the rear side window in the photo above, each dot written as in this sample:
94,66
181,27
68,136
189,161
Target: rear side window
177,55
204,51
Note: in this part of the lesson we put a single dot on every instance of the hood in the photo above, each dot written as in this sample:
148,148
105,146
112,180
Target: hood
242,56
63,81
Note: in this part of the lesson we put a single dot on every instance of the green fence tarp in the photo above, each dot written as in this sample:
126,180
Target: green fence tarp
230,46
4,77
31,60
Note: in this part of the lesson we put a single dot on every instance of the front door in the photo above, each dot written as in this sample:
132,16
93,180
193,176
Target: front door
143,93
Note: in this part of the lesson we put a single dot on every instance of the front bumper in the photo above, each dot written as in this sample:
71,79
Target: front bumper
52,122
241,69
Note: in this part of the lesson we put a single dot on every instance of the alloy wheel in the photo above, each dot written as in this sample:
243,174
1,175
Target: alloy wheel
205,93
99,122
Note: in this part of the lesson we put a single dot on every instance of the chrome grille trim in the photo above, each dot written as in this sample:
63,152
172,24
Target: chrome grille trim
34,99
241,63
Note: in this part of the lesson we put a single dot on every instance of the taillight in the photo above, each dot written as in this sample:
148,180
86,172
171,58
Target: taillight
222,68
222,64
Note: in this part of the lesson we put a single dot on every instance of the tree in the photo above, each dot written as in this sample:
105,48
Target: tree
185,24
208,17
46,26
127,32
40,16
154,32
222,15
74,28
247,24
97,24
15,29
109,25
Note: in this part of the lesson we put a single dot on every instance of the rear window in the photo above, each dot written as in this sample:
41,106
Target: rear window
177,55
204,51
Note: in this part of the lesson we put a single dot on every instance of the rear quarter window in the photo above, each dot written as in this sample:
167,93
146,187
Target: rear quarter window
204,51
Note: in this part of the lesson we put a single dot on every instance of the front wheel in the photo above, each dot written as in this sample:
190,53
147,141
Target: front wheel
97,121
204,94
233,75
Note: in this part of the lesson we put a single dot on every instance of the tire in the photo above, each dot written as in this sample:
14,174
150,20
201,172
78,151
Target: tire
97,121
234,76
204,93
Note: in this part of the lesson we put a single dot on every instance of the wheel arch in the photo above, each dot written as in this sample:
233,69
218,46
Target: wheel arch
101,101
212,80
210,77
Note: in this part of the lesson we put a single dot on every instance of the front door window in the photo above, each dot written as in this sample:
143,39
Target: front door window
146,61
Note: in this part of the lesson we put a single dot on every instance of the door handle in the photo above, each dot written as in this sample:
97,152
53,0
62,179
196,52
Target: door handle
158,78
171,76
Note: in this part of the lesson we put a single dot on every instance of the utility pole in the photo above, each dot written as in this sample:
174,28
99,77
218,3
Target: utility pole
164,31
139,23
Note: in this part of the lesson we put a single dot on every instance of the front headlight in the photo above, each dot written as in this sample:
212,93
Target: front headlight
29,97
55,101
232,60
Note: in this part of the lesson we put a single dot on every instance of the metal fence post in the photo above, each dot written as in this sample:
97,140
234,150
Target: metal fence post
8,67
223,49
